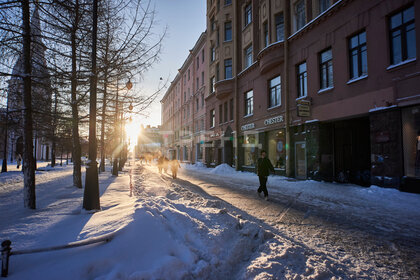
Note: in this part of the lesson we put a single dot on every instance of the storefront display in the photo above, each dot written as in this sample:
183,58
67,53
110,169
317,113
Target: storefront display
276,150
250,149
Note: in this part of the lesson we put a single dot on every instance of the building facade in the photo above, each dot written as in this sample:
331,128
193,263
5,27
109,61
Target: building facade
326,87
183,110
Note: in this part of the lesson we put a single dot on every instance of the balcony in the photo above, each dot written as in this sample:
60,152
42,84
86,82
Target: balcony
224,88
271,56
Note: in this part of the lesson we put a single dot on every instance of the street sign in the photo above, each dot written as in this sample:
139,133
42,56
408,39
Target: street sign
303,110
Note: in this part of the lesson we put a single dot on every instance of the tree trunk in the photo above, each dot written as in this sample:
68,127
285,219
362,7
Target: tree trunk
91,193
102,166
28,159
77,163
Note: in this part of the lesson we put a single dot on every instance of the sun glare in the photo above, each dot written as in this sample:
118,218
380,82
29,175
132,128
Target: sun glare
132,130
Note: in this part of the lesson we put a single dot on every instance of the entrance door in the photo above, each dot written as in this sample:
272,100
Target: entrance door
300,160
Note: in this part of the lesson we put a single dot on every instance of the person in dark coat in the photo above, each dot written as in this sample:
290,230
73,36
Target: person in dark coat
264,167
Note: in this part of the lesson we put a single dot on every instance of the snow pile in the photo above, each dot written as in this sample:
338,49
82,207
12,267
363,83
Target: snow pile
223,169
178,229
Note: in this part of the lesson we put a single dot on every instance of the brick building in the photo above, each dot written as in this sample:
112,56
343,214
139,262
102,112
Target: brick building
326,87
183,110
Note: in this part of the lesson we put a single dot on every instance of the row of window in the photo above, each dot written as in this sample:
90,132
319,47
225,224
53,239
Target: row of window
225,113
402,48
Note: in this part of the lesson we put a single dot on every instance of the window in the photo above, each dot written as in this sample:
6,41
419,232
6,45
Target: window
217,72
300,18
323,5
188,74
212,24
249,103
197,83
225,112
265,28
403,36
202,100
212,82
358,55
202,124
275,91
248,14
248,56
212,53
279,27
185,96
228,2
302,80
326,69
220,113
196,104
198,62
228,68
202,55
202,78
228,31
231,109
212,118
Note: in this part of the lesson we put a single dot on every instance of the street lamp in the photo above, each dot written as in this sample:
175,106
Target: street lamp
115,163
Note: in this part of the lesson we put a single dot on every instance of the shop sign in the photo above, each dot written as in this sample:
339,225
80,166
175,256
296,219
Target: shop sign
304,110
303,102
273,120
248,126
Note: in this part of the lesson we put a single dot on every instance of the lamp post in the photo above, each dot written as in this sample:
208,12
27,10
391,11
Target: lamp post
117,148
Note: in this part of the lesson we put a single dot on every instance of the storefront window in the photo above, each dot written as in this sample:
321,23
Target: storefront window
411,141
276,151
250,149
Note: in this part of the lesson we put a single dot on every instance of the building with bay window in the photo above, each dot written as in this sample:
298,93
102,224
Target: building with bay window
327,87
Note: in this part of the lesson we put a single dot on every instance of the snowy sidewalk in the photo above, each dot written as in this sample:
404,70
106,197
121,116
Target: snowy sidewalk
207,225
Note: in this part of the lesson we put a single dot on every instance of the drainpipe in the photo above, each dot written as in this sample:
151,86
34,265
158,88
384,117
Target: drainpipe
286,9
236,94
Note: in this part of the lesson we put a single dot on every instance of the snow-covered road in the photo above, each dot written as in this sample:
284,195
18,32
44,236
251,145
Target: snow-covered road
210,224
359,237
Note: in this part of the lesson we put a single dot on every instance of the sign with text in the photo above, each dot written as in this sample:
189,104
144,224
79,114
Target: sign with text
274,120
303,110
248,126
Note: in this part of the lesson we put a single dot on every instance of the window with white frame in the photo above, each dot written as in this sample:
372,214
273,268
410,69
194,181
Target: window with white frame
212,118
302,78
248,56
326,69
248,14
300,17
274,92
279,19
358,55
228,31
228,68
249,103
402,35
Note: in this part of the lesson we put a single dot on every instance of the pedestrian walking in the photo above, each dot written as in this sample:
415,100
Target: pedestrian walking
174,167
264,167
160,164
18,160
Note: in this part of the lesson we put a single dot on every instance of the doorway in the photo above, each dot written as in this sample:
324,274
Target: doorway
300,160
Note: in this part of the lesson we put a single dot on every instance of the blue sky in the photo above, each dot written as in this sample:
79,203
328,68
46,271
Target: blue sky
186,20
